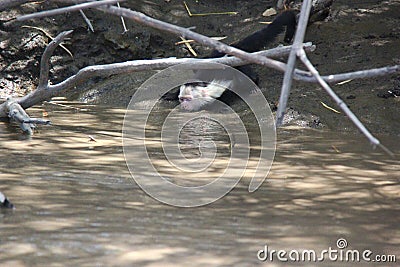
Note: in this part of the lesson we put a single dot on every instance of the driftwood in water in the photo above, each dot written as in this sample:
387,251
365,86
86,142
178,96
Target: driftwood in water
17,113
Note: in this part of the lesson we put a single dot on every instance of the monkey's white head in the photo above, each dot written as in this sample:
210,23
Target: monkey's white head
193,96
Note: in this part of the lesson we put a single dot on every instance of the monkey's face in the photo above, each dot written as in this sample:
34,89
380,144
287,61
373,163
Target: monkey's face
193,96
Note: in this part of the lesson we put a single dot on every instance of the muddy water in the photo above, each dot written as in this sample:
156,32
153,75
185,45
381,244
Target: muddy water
77,205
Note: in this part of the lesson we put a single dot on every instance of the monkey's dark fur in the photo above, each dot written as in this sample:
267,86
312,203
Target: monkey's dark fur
259,39
251,43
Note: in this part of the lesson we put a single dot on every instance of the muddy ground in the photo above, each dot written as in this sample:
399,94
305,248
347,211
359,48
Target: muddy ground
355,36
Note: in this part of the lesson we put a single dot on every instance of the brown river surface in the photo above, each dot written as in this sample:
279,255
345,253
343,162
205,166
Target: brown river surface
77,204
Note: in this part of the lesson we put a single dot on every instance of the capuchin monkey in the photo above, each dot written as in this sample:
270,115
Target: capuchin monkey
195,95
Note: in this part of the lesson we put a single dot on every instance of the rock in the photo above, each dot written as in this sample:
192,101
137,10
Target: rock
269,12
4,202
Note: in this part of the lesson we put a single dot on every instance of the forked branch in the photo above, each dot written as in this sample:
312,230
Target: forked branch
45,61
374,141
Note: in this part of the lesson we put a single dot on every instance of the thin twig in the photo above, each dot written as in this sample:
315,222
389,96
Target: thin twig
297,43
208,13
49,36
192,41
63,10
123,21
189,46
344,82
375,142
328,107
86,20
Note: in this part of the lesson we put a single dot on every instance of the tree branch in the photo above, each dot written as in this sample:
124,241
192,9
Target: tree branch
155,64
288,77
17,113
334,78
63,10
45,61
375,142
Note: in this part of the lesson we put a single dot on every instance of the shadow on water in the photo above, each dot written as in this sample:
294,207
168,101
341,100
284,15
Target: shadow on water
76,203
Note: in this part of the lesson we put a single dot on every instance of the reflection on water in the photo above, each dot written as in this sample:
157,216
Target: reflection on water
76,203
202,130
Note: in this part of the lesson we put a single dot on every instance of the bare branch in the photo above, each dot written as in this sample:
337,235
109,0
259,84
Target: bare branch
303,57
187,34
44,63
154,64
297,44
123,22
86,20
334,78
63,10
17,113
